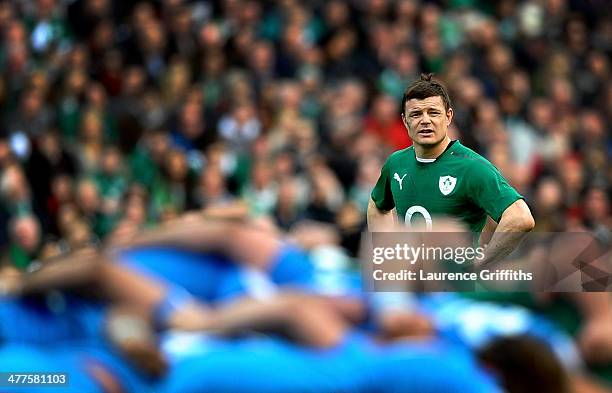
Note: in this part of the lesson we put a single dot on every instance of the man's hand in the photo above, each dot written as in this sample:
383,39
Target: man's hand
135,338
515,222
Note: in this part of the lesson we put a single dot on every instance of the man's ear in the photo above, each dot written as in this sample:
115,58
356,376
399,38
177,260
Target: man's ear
449,114
404,120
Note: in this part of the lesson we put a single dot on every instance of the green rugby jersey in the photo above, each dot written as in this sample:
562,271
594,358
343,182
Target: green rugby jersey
459,183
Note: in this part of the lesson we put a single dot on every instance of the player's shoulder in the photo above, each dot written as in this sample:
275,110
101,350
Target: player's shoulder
463,155
400,155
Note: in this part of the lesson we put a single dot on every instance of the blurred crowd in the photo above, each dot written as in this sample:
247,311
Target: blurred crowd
123,114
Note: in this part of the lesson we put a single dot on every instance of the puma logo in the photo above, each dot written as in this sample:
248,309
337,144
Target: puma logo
399,179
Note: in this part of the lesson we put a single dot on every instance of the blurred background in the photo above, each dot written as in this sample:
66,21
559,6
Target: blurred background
118,115
130,113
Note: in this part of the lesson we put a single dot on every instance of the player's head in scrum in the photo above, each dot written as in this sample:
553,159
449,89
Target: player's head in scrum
427,113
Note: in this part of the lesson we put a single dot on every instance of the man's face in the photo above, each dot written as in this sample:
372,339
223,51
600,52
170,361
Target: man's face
427,120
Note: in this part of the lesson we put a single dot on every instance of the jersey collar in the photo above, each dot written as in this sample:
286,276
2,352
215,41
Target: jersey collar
444,153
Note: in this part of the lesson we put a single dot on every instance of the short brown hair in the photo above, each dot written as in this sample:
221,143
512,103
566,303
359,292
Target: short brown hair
423,88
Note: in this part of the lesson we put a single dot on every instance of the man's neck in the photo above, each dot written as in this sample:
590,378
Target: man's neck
431,151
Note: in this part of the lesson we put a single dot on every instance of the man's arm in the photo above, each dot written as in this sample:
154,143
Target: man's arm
514,223
379,220
193,232
487,232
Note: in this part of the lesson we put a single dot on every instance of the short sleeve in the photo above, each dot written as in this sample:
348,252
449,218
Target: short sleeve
490,191
381,194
